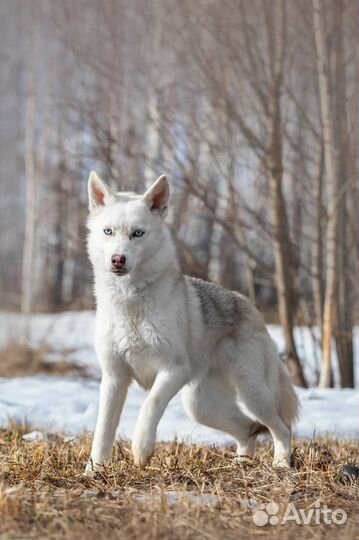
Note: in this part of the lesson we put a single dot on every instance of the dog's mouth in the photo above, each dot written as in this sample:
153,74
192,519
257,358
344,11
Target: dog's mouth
119,271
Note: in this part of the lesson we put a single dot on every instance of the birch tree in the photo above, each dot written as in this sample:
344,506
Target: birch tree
326,111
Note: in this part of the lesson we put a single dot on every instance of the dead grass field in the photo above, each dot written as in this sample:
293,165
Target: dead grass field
187,492
17,360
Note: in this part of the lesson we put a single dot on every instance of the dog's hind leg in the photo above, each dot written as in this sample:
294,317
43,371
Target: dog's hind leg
258,381
266,413
212,403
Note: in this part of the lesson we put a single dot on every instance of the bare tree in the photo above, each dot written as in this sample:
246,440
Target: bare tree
345,238
31,192
283,252
331,185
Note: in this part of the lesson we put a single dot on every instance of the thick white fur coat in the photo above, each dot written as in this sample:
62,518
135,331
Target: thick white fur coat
170,332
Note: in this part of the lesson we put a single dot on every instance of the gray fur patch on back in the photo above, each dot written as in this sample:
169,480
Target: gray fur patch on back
219,306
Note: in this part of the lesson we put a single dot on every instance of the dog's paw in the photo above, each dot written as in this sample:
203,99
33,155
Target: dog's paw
91,469
281,462
243,458
142,453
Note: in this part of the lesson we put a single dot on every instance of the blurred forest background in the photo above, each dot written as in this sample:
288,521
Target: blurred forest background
251,108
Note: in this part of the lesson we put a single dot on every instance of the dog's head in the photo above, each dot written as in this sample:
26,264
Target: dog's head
126,229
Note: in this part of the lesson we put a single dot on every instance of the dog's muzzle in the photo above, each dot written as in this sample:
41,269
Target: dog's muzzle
118,264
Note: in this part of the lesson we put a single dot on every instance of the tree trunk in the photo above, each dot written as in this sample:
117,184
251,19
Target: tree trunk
317,248
30,207
344,308
282,247
284,272
331,228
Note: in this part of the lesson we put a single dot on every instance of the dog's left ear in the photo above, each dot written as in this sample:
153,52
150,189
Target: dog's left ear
157,196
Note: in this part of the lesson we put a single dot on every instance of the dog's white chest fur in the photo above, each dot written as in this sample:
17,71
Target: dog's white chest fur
140,341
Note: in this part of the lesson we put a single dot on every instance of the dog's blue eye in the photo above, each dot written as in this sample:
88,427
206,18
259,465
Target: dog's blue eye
108,231
138,233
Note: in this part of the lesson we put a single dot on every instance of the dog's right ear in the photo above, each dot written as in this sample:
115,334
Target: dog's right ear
99,192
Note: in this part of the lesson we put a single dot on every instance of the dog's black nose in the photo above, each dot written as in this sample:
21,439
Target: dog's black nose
118,261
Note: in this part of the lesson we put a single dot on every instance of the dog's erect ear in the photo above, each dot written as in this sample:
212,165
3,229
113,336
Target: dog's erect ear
157,196
99,192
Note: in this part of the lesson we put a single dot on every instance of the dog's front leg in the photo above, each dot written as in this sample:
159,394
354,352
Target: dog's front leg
113,393
165,387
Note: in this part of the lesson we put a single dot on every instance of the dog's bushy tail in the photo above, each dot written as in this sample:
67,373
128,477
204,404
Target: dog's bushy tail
288,400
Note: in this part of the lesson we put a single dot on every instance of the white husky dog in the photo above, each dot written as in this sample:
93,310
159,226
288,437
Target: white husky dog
168,332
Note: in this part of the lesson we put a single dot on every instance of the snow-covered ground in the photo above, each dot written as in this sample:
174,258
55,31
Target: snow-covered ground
69,405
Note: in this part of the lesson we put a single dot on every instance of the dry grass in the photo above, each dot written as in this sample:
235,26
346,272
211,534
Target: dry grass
44,495
17,360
